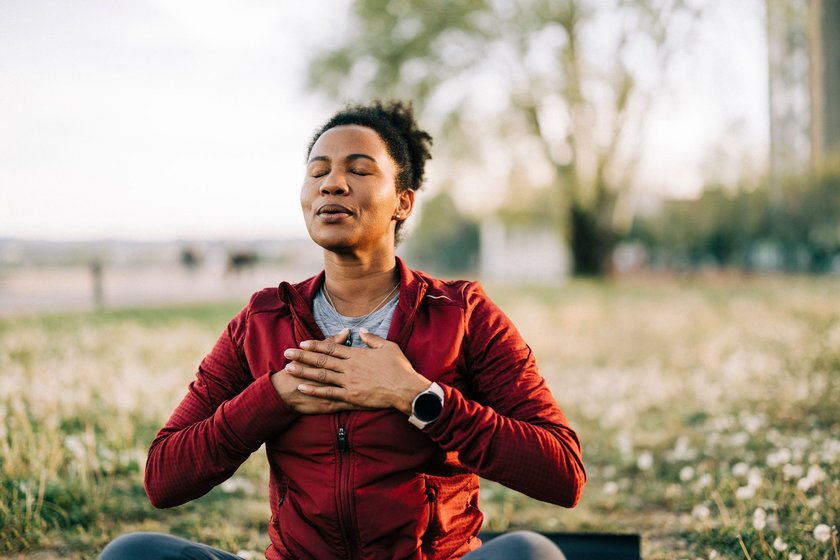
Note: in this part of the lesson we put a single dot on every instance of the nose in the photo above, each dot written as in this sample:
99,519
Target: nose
334,184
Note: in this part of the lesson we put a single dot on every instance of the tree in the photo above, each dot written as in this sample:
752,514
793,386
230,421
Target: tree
559,85
825,83
444,238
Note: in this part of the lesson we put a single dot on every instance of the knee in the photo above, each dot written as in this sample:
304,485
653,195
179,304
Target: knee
528,544
133,545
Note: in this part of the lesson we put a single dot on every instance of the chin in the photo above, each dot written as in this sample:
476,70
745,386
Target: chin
334,243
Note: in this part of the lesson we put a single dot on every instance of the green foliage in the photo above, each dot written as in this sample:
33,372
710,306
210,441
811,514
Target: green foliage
444,240
794,228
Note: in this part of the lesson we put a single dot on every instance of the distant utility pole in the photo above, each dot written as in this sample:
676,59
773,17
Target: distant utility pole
824,81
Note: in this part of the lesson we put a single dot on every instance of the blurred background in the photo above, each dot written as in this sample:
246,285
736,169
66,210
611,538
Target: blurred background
593,160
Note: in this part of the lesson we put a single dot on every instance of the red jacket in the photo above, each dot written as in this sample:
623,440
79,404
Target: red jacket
383,489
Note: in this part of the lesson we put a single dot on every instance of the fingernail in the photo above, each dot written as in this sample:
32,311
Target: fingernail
303,387
289,353
305,344
364,330
290,367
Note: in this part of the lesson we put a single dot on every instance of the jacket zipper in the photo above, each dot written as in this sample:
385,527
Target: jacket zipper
344,494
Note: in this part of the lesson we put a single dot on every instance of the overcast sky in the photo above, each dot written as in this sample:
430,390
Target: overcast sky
159,119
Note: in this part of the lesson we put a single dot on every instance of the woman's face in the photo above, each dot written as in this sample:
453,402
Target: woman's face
349,195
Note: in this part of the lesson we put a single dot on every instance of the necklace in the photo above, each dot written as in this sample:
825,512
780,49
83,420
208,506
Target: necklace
356,320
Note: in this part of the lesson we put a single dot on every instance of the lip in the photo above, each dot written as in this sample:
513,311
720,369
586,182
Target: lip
332,213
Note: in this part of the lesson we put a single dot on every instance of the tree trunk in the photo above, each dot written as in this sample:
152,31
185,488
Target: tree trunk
825,82
592,241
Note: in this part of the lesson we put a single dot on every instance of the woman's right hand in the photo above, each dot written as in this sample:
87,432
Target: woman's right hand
287,387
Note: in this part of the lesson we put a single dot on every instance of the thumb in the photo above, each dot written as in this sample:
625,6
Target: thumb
371,339
340,337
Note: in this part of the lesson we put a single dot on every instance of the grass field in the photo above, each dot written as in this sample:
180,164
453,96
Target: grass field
709,411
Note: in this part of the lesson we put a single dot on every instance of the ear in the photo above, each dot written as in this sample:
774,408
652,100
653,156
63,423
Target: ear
406,204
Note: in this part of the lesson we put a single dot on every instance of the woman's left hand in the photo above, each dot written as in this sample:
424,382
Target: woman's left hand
376,377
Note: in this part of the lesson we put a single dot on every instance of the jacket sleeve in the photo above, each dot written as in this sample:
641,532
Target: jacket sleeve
513,432
225,416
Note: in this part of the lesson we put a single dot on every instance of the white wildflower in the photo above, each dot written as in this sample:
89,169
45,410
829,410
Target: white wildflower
815,501
815,473
740,469
754,478
686,473
779,544
759,519
804,484
794,556
704,480
779,457
610,488
739,439
791,471
701,512
745,492
822,532
752,422
644,461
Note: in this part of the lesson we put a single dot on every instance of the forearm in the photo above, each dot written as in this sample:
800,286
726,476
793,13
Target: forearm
539,457
195,451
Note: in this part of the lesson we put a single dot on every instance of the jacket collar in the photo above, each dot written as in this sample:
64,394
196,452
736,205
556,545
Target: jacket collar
300,297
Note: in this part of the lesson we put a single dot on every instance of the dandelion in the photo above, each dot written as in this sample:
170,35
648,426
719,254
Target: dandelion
791,471
815,502
822,532
759,519
815,474
754,478
779,544
701,512
745,493
779,457
644,461
740,469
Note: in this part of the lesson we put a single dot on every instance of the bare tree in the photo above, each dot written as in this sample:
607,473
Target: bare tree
562,84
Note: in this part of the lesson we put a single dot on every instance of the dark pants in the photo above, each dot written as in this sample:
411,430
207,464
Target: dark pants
521,545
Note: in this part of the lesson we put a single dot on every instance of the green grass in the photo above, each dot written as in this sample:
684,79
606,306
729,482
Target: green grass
708,408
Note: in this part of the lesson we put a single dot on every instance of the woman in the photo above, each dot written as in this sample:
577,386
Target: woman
380,393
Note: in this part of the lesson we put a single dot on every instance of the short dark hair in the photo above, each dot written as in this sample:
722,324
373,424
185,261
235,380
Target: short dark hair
395,123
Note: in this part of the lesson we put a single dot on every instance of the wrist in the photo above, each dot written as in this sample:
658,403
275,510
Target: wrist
427,406
407,396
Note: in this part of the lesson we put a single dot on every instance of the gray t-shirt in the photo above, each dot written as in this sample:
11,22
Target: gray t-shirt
332,322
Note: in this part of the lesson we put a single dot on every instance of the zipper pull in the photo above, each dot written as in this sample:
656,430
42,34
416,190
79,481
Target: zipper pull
342,440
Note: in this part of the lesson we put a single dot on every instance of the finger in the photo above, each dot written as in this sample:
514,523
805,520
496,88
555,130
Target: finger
317,359
328,392
320,375
371,339
327,347
340,337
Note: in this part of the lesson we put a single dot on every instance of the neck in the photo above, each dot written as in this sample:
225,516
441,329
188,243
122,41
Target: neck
356,284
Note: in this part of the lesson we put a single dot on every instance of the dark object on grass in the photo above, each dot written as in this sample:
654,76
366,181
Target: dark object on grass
590,546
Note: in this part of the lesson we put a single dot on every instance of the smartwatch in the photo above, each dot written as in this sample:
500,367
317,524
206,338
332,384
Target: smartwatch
427,406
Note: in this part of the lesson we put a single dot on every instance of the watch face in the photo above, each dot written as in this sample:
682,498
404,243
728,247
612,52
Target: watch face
427,407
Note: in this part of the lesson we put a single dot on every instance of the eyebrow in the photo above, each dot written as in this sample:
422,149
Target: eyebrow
351,157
